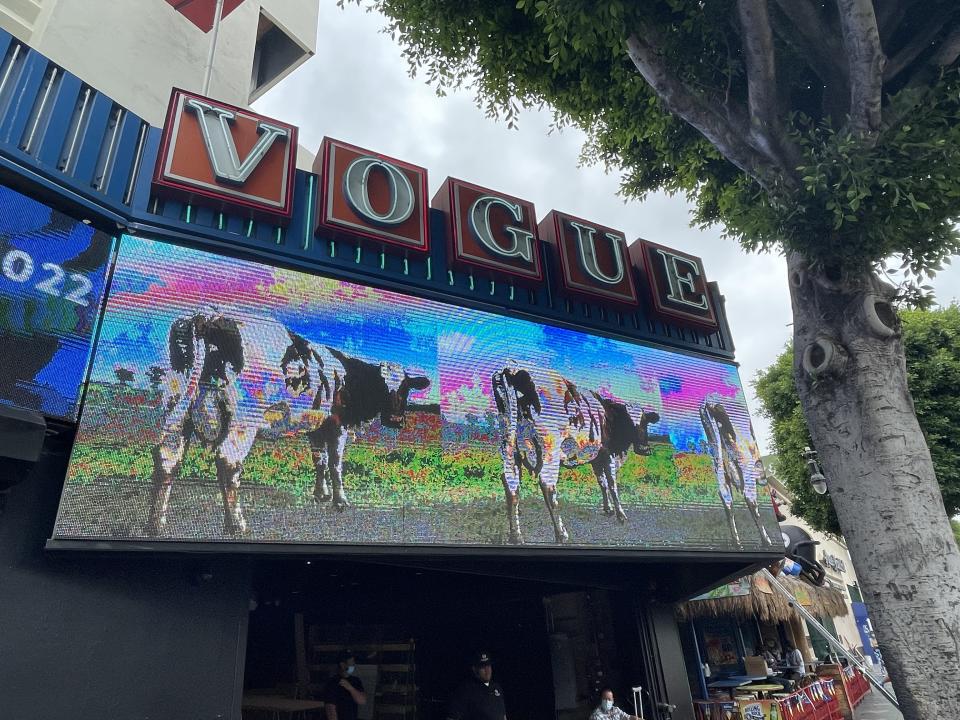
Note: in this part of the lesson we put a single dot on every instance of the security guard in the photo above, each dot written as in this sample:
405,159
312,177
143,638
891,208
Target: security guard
478,698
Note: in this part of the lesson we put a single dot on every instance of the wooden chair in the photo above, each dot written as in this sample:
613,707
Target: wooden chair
756,666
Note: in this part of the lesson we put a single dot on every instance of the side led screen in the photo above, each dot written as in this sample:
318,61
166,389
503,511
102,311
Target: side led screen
234,401
52,273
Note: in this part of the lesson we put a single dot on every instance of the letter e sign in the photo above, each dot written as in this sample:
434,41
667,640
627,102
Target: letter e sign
678,285
226,153
371,195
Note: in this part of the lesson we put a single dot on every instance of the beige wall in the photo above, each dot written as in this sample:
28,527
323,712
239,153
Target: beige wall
135,51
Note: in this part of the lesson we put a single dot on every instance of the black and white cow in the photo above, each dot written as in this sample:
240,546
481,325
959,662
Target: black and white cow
727,465
231,378
546,422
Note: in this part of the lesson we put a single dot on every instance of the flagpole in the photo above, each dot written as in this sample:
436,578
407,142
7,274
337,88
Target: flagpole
213,48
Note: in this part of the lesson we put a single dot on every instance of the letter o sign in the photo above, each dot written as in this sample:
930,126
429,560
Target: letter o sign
356,188
365,194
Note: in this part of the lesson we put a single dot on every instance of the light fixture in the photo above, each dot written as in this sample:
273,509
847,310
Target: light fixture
817,480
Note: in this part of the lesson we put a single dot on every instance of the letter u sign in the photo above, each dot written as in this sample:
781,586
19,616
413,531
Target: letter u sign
594,260
244,160
378,198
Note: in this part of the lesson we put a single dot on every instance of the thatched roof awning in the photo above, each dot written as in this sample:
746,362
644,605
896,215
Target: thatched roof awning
766,604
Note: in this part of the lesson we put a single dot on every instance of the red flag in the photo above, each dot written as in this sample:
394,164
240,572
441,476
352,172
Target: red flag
202,13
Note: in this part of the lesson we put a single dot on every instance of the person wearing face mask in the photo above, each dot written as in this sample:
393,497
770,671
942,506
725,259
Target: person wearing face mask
478,698
344,692
606,710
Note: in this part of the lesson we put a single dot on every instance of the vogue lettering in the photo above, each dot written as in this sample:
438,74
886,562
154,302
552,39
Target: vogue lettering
479,217
232,156
356,188
586,242
682,282
246,161
215,125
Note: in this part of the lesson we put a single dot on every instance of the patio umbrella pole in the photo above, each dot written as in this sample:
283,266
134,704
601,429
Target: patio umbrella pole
834,643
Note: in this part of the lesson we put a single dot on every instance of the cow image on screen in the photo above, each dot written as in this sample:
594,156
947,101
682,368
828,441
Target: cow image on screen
722,440
547,422
326,394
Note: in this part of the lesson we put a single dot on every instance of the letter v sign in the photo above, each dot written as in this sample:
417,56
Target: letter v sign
242,160
222,150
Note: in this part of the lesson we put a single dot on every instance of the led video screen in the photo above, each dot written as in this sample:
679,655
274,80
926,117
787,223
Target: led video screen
233,401
52,273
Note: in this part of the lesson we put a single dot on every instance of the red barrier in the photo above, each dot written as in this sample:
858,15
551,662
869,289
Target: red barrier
855,685
817,701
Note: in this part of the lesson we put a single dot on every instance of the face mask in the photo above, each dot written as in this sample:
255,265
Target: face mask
606,705
350,669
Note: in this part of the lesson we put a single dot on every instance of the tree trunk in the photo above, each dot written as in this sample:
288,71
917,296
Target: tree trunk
851,376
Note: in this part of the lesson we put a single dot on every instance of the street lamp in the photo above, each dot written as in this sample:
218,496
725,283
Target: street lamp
817,480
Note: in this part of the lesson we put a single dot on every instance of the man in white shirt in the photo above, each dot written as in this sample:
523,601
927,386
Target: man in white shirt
606,710
794,661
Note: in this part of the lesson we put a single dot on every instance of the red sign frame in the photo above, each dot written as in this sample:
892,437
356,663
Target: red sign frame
642,254
185,169
552,230
453,198
334,214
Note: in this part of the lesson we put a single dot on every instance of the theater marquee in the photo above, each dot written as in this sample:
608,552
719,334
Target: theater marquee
234,160
235,401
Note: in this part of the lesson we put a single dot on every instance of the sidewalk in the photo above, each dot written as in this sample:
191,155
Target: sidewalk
876,707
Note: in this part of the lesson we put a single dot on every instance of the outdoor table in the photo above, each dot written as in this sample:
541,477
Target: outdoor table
278,706
729,685
761,687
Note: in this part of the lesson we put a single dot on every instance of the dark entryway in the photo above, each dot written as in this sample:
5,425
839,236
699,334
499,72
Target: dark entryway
554,644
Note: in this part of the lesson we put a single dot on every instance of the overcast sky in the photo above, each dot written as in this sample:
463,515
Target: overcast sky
356,89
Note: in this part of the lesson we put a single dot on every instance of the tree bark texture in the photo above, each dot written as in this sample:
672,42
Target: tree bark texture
851,376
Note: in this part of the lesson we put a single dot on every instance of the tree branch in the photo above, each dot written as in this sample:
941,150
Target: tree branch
726,136
824,58
822,49
923,74
921,40
765,126
949,49
890,15
861,39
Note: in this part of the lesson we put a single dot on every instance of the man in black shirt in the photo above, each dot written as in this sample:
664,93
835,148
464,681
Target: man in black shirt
478,698
344,692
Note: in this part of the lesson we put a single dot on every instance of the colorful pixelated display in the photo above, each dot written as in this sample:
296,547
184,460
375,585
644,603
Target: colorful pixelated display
230,400
52,272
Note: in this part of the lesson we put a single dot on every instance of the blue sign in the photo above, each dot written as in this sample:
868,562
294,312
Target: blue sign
865,630
52,274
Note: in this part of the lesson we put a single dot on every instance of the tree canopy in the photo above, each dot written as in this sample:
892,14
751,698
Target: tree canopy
931,341
793,154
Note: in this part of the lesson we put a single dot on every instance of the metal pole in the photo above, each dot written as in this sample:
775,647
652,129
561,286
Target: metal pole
696,649
834,643
213,48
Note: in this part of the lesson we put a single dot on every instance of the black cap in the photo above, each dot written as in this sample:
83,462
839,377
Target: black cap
482,658
344,655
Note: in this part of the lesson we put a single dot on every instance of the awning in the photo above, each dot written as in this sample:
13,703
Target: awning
763,603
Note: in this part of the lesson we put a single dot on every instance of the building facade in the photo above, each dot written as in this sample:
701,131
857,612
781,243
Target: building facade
254,415
135,52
